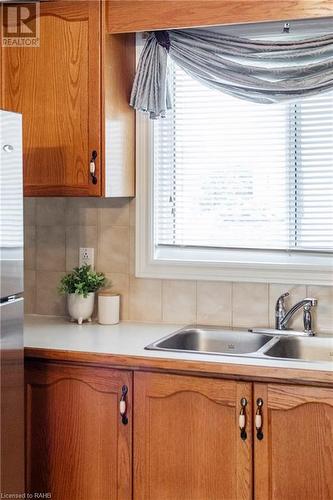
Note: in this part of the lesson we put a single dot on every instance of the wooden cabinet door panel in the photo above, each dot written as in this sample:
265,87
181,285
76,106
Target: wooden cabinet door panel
57,88
294,460
77,446
187,443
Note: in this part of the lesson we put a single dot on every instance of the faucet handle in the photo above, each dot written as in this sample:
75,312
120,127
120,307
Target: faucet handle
280,310
280,301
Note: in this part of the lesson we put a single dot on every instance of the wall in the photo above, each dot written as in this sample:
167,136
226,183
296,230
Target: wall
56,227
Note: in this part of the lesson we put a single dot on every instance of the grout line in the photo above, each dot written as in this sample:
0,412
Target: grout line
232,305
162,296
196,302
268,298
269,303
129,298
35,294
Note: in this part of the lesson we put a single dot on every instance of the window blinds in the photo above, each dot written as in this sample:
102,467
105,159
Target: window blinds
11,196
233,174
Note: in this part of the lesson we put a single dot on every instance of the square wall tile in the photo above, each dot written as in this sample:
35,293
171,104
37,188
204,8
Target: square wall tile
30,247
50,211
132,209
132,251
214,303
77,237
120,284
250,305
297,293
29,292
113,249
323,312
51,248
145,302
81,212
48,301
179,301
29,211
113,212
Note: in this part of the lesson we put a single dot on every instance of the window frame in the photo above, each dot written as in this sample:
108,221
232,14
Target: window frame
210,264
257,266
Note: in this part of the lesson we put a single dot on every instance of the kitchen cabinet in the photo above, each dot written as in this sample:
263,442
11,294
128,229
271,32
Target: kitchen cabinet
73,91
78,447
187,442
142,15
294,458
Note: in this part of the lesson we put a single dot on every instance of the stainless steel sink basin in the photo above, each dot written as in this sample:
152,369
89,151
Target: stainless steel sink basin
303,348
215,340
212,340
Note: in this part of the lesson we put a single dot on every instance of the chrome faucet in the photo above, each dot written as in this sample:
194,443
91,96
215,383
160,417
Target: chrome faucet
282,317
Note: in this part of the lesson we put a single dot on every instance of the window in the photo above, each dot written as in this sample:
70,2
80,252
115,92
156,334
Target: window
234,185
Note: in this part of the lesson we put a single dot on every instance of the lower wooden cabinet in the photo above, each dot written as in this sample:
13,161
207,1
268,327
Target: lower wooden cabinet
294,458
187,442
77,446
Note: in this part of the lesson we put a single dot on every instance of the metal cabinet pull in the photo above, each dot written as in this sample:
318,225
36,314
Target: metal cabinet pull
242,419
258,419
92,167
123,405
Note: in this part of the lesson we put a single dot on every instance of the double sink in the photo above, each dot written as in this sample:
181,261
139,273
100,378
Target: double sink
214,340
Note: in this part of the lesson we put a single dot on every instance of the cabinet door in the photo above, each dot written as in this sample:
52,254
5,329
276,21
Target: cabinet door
294,458
57,88
78,448
187,443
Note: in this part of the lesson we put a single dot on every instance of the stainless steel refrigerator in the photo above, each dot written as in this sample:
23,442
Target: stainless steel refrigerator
11,306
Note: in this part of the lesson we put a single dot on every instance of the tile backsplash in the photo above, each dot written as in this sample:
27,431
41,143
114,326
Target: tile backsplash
55,228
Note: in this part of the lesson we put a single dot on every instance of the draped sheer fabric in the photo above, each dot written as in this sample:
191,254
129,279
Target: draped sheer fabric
256,70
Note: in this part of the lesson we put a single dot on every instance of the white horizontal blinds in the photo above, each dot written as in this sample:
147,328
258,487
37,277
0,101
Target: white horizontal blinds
234,174
314,164
11,196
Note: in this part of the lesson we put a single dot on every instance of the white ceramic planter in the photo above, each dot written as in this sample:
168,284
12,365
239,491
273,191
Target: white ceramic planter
80,308
108,308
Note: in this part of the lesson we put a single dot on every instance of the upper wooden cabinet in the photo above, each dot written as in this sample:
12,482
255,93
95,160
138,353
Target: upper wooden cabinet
187,441
73,92
141,15
78,447
294,458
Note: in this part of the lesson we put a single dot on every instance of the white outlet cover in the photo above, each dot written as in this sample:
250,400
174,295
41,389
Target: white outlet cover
86,256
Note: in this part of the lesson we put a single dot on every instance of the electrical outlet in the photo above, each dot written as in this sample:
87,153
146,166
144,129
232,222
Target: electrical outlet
87,256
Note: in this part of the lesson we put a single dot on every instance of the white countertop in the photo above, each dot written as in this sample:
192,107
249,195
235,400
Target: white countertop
129,339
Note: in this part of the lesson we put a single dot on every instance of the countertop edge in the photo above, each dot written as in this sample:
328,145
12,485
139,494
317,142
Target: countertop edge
181,366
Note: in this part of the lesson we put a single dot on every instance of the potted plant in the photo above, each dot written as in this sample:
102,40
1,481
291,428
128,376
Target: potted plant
80,286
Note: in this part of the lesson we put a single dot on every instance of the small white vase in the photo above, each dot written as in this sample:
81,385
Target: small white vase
80,308
108,308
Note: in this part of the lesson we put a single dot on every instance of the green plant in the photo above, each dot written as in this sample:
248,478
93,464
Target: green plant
82,280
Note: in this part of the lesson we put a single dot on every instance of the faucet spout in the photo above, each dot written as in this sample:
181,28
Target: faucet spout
310,302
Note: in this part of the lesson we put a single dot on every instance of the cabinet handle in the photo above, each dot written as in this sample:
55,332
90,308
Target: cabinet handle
92,167
242,419
123,405
258,419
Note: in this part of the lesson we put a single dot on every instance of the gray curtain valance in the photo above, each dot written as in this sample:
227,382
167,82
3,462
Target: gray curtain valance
255,70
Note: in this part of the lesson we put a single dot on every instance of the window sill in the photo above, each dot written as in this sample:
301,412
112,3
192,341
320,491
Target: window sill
229,265
227,271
